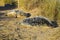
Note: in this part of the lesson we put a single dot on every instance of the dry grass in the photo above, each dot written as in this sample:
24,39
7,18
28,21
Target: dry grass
41,7
12,29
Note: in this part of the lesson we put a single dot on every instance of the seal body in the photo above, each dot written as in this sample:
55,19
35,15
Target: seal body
39,21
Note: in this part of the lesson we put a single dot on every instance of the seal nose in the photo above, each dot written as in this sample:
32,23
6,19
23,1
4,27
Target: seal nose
54,24
27,14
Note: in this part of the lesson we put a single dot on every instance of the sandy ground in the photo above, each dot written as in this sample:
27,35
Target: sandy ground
11,29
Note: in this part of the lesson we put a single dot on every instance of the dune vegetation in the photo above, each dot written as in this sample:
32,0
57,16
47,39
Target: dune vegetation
47,8
12,29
